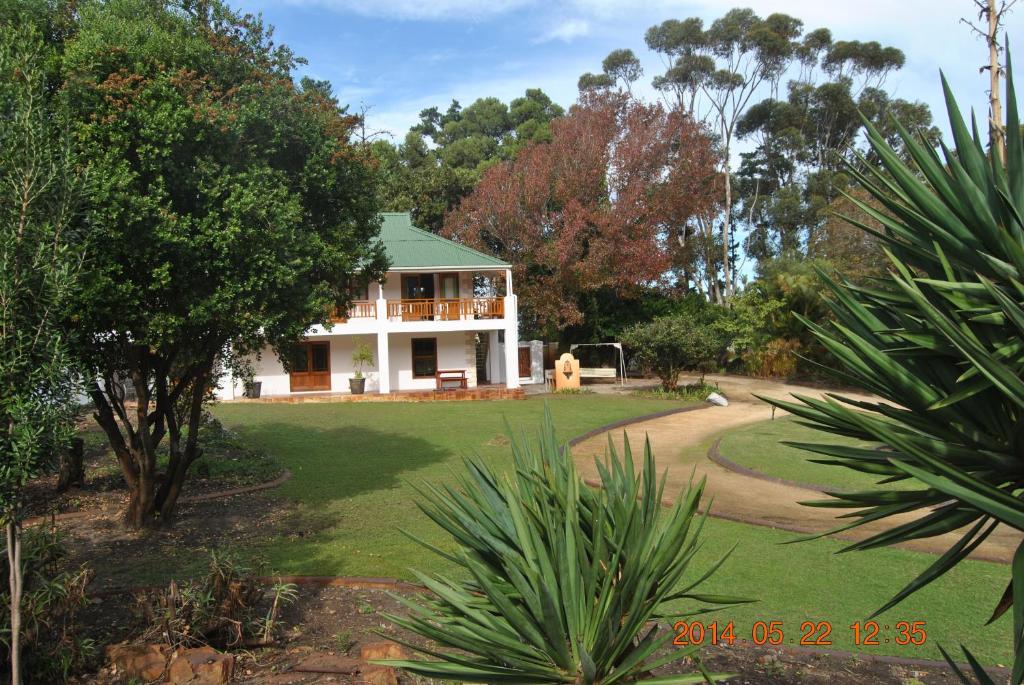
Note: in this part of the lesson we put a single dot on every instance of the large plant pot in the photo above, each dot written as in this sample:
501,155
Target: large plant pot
357,385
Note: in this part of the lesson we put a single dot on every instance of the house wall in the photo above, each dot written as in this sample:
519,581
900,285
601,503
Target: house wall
275,381
456,348
451,354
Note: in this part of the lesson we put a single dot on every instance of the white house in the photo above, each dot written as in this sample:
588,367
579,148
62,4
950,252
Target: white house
443,315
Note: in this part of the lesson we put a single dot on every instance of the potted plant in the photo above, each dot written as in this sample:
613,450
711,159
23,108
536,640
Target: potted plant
362,355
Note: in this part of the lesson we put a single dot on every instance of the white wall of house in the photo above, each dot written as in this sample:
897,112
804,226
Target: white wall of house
451,354
536,348
270,372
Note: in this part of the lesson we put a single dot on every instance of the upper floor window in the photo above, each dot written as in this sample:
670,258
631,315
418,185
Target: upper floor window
359,290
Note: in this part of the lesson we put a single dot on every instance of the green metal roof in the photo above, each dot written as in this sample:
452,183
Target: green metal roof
409,247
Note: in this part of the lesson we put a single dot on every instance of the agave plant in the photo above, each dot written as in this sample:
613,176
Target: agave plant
563,584
942,344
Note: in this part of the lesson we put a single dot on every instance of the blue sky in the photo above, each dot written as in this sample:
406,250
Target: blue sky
399,56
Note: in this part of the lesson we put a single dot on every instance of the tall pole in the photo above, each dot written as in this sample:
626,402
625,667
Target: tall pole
998,130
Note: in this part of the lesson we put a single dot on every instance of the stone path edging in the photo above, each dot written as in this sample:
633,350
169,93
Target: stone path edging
205,497
668,431
622,423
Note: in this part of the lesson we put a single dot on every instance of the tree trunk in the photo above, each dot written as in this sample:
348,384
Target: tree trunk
727,231
141,504
182,459
15,583
72,469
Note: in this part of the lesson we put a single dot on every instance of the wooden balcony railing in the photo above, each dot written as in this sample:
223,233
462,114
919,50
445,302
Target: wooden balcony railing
358,310
447,309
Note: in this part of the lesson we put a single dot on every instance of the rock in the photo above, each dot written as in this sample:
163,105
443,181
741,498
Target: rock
141,662
201,666
383,650
327,663
715,398
379,675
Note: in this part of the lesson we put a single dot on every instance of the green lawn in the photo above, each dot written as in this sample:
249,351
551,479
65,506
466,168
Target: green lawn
353,464
759,447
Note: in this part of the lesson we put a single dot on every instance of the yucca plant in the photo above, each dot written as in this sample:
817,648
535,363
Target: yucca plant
562,583
942,344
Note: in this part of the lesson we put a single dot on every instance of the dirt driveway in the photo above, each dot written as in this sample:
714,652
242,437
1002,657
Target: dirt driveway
680,442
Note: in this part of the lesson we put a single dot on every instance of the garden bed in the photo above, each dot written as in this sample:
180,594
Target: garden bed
331,624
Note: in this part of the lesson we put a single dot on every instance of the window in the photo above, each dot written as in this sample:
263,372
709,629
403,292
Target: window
359,290
424,357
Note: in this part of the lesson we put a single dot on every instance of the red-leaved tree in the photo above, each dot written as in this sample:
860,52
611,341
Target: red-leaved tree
600,206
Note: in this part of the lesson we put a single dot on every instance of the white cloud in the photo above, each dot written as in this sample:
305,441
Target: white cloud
421,9
566,31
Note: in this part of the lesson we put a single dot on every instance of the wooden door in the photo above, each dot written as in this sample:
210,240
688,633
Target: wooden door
311,369
525,366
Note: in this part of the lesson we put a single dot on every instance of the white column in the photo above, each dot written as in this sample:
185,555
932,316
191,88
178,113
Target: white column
508,282
494,374
511,341
383,363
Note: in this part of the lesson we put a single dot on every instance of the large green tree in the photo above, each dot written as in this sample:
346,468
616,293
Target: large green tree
39,264
443,157
230,211
720,70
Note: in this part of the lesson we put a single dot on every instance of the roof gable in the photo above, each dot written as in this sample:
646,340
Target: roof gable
409,247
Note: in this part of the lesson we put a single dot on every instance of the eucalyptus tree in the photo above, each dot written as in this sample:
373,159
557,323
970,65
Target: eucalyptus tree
620,68
712,74
229,211
40,186
747,53
803,143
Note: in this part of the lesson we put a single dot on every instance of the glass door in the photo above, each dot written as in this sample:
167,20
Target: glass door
417,297
449,297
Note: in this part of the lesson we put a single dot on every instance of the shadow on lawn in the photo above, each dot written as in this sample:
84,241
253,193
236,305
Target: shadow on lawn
344,461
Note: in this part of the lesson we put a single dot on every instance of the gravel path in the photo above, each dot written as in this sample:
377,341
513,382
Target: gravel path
680,443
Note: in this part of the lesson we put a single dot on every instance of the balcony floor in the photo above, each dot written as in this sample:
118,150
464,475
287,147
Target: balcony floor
481,392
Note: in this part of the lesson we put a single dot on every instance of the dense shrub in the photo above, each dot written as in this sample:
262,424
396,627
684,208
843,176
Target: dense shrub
776,358
763,322
669,345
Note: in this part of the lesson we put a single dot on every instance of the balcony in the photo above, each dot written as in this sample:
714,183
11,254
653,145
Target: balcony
358,310
456,309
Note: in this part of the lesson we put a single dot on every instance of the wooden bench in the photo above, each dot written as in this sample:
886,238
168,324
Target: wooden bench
451,379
